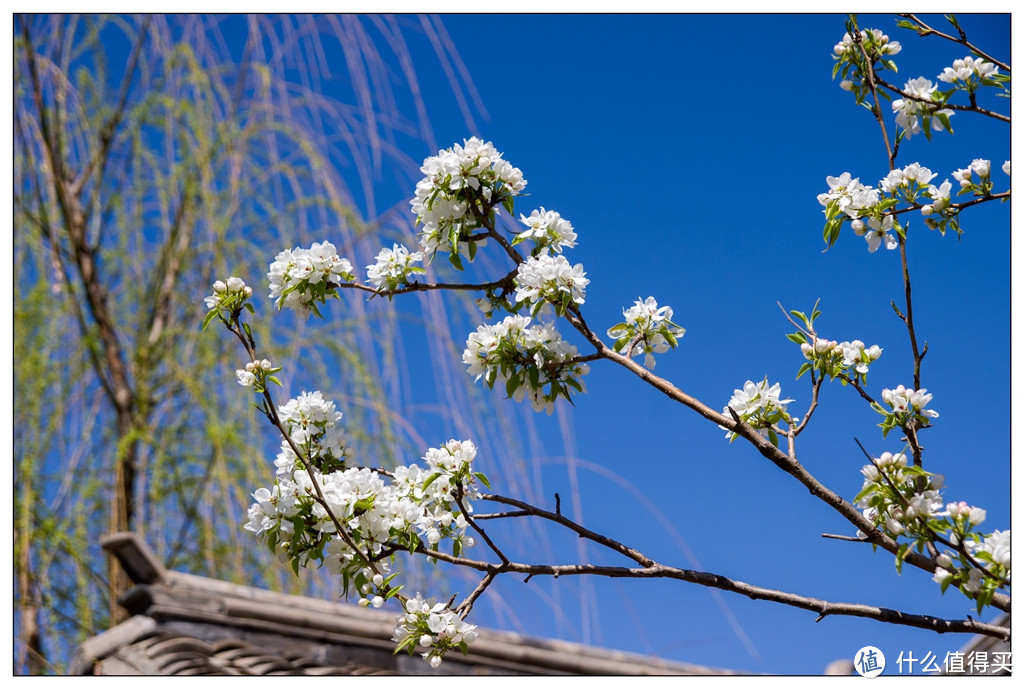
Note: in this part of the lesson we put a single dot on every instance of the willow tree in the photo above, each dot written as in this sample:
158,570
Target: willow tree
150,154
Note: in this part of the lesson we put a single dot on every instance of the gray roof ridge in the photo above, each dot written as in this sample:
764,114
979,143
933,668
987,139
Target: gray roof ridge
168,594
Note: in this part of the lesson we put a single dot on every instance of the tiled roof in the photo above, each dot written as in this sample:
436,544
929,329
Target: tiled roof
184,624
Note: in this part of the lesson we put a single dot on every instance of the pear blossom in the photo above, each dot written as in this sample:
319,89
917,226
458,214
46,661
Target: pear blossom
961,510
876,42
877,231
1006,168
228,294
647,329
547,229
911,111
758,404
298,277
527,359
939,197
907,400
393,267
431,625
858,356
964,69
997,545
458,181
547,278
909,179
850,196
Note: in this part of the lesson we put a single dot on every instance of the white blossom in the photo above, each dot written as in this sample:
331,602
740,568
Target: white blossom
232,292
963,69
547,229
876,232
857,355
293,271
903,400
393,267
455,179
647,329
910,111
550,278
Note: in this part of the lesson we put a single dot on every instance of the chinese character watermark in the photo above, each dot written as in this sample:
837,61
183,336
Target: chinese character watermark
869,662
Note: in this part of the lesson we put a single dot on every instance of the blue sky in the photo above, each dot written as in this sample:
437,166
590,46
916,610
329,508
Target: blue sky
687,151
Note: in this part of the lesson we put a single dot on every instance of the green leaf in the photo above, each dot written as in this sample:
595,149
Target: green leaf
483,479
799,338
472,250
944,119
455,260
209,318
433,477
900,554
803,369
772,436
511,384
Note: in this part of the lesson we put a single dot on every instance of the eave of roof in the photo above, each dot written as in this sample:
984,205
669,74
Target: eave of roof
164,599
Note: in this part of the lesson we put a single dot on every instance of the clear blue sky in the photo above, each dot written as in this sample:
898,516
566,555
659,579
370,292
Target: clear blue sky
687,151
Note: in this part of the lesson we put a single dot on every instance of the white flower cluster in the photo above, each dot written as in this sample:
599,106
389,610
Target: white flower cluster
461,183
863,204
393,268
874,41
890,498
876,231
979,166
841,354
647,329
758,404
300,277
417,501
228,294
997,547
906,501
908,401
312,424
992,552
429,625
906,409
256,374
963,70
848,195
550,279
908,180
301,514
911,113
548,230
527,359
939,197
